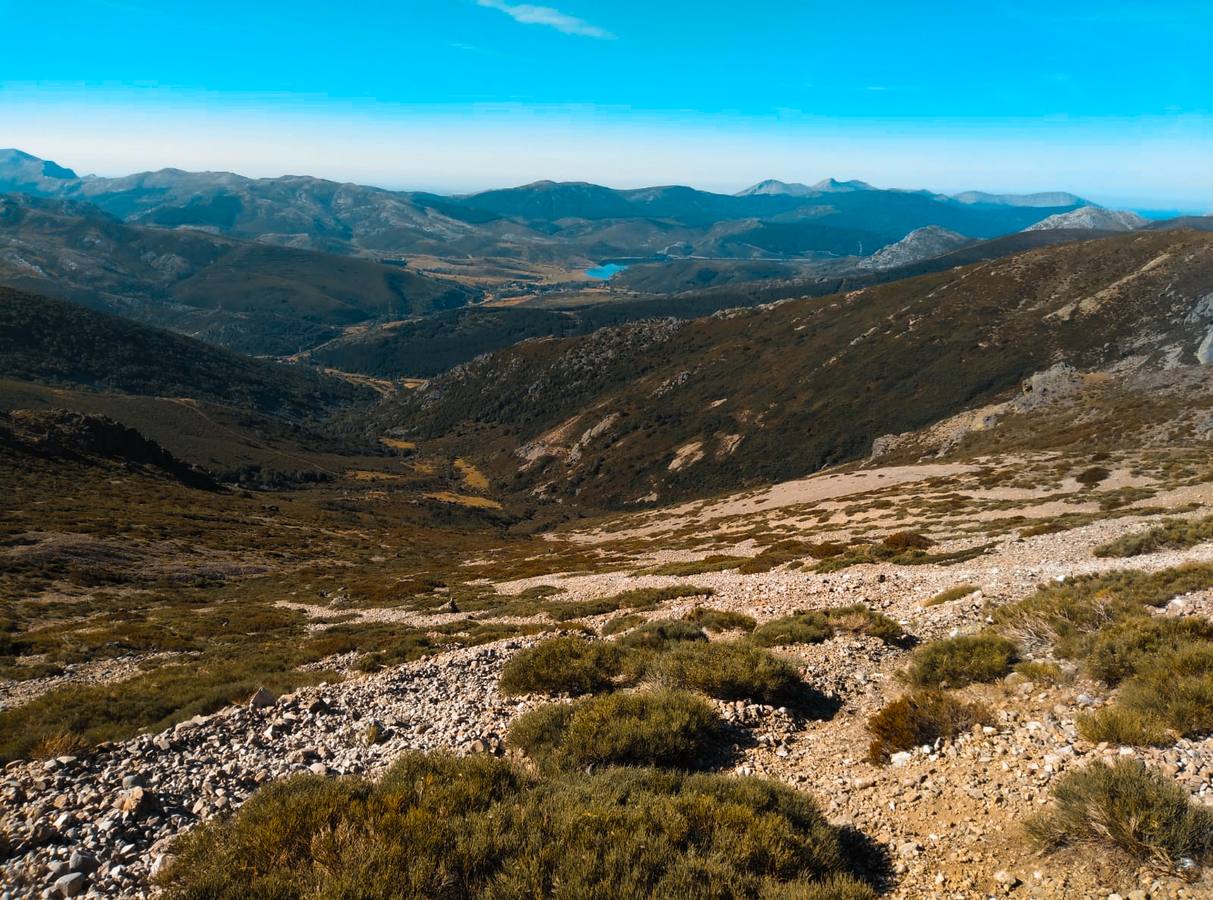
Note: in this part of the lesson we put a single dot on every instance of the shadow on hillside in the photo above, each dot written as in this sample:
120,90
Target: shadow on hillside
871,861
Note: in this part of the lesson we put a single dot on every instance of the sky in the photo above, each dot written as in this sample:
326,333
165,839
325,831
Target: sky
1112,100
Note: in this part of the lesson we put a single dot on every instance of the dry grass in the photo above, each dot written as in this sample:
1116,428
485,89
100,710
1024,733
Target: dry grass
1126,807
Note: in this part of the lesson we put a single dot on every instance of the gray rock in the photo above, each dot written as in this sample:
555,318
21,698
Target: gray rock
70,885
83,861
262,699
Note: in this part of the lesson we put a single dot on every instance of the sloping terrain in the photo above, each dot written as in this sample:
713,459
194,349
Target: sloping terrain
422,348
59,343
256,298
668,409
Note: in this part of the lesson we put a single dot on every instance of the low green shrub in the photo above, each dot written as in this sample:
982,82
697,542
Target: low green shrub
907,540
1041,671
731,670
1128,807
621,623
952,593
955,662
645,728
1171,534
661,634
799,628
1092,476
1119,650
1177,687
860,619
920,717
716,563
1117,725
639,598
563,665
478,827
717,620
1065,615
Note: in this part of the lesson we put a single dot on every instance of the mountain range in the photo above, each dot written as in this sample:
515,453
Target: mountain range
567,223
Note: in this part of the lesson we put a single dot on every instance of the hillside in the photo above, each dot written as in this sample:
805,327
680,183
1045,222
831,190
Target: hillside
253,297
52,341
422,348
665,409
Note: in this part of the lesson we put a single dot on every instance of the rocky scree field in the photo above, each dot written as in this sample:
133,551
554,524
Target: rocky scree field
912,674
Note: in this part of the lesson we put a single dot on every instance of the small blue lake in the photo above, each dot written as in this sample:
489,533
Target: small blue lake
604,271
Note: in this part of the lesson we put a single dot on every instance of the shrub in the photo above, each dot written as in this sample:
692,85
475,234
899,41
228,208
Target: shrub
730,670
662,634
717,620
646,728
908,540
480,828
716,563
621,623
1172,534
826,549
639,598
863,620
1129,807
918,718
63,743
1119,650
955,662
1092,476
1066,614
1176,686
1042,672
563,665
952,593
1117,725
800,628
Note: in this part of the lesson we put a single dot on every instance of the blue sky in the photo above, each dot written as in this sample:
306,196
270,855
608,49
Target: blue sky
1111,99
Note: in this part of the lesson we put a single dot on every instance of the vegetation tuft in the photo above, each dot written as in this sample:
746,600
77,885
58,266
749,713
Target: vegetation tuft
563,665
661,634
644,728
1172,534
718,620
1128,807
799,628
478,827
731,670
956,662
921,717
952,593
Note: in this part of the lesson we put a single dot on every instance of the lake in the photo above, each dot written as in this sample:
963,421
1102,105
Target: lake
604,271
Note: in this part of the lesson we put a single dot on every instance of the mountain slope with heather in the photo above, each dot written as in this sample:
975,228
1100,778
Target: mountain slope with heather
667,409
252,297
53,342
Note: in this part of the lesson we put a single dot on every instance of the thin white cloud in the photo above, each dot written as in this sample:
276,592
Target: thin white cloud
529,14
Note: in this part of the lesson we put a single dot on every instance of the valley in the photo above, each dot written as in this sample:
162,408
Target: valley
829,577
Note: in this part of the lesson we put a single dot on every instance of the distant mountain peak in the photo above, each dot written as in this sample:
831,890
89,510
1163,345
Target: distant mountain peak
23,168
775,187
1043,199
922,243
834,186
1093,218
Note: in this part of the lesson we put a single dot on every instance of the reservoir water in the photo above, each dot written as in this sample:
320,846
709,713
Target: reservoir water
604,271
